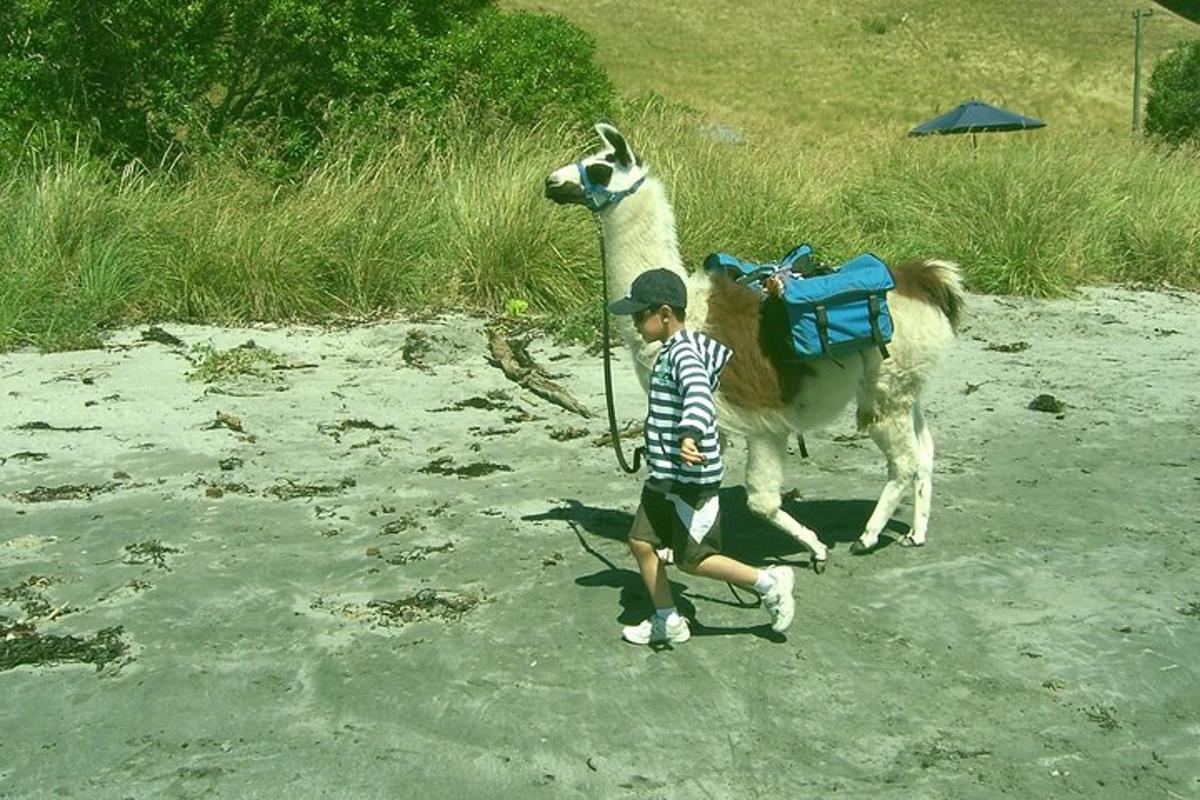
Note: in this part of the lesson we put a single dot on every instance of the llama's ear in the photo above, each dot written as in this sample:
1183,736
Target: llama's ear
622,152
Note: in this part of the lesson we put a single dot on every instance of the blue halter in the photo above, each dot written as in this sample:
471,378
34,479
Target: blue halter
598,198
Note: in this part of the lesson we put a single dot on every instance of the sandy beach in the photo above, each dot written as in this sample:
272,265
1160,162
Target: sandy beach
379,568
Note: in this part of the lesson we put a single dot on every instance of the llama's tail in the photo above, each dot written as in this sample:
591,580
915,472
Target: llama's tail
936,282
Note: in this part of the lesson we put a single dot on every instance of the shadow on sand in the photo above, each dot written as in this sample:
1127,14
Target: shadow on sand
745,537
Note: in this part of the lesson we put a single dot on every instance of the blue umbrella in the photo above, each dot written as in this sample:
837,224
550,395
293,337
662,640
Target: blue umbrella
975,116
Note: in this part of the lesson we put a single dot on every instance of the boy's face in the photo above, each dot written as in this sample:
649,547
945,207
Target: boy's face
654,324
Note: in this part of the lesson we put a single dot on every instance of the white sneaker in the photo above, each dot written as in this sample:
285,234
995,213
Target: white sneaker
779,600
656,630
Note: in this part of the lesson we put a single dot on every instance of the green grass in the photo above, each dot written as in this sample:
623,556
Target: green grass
211,365
829,69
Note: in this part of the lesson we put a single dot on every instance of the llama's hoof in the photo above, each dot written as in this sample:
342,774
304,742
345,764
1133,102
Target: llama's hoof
818,564
858,548
909,541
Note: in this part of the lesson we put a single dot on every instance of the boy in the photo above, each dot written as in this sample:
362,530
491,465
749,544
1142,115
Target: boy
679,507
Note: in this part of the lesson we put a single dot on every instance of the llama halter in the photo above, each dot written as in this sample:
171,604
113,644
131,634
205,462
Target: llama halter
598,198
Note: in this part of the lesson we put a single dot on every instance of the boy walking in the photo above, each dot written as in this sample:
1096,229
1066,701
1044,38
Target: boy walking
679,507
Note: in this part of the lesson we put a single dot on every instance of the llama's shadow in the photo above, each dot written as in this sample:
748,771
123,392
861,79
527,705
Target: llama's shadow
636,606
745,537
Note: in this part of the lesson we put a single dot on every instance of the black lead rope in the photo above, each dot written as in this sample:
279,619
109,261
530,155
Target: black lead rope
608,392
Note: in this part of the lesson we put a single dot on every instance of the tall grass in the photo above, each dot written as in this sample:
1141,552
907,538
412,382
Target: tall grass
400,219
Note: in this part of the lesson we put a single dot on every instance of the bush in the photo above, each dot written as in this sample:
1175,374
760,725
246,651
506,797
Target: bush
144,78
525,67
1173,103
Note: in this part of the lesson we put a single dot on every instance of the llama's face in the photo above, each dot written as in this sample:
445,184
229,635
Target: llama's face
613,169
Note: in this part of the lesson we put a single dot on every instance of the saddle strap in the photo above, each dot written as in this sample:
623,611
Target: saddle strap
823,328
873,308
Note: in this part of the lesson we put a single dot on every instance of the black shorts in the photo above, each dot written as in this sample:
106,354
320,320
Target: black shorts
668,530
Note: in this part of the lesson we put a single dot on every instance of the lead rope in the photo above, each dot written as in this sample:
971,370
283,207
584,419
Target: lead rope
608,392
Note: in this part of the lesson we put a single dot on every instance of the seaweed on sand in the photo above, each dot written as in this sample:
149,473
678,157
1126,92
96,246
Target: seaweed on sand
21,643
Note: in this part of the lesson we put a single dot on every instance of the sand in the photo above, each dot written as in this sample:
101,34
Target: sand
382,569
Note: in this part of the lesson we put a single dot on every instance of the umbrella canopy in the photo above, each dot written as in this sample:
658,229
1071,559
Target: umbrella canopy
975,116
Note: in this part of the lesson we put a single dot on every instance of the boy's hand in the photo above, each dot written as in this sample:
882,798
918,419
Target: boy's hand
688,451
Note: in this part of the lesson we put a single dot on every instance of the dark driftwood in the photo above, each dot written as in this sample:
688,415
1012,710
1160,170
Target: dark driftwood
630,431
521,369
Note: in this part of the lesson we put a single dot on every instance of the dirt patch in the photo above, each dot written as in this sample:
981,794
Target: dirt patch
444,466
1104,716
422,605
416,553
1014,347
149,552
399,525
353,425
46,426
26,455
567,433
53,494
416,350
291,490
157,334
492,401
29,595
226,420
1047,403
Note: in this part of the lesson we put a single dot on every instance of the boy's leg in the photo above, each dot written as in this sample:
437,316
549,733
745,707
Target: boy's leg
724,568
774,583
654,573
665,625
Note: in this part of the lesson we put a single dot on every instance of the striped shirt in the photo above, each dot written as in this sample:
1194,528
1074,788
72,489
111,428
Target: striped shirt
685,374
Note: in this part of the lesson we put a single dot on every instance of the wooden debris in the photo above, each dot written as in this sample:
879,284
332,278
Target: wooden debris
520,368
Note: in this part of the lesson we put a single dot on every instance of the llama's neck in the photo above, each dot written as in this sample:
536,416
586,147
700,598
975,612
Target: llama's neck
639,234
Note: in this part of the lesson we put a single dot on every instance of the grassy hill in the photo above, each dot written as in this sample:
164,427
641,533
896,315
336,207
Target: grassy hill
821,68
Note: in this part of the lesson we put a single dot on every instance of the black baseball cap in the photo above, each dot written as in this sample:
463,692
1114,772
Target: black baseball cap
651,289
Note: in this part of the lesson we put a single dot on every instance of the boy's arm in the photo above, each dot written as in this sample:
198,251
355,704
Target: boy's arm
699,414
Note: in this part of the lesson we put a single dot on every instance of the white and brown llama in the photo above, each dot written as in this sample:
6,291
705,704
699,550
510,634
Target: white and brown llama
763,397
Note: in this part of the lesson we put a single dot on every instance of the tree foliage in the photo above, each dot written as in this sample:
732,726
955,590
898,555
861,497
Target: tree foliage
529,66
144,77
1173,102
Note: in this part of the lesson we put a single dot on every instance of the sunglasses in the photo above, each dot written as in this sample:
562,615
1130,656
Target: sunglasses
641,316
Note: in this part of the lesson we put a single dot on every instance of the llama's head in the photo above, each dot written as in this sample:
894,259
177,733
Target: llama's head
600,180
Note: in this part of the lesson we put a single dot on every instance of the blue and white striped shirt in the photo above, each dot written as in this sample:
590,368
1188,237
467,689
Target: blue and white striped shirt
685,374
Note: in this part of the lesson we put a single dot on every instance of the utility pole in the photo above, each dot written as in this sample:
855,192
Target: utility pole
1138,16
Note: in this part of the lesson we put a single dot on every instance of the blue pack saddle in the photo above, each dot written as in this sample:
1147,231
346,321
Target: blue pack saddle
831,311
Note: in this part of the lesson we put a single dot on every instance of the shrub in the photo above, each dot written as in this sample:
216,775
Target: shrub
1173,103
143,78
526,67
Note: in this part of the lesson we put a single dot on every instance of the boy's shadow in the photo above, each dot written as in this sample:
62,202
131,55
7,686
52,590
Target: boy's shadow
745,537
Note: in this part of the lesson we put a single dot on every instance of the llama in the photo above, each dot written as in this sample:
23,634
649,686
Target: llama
763,397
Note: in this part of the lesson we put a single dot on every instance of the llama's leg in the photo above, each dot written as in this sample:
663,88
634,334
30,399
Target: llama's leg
893,433
764,476
923,494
